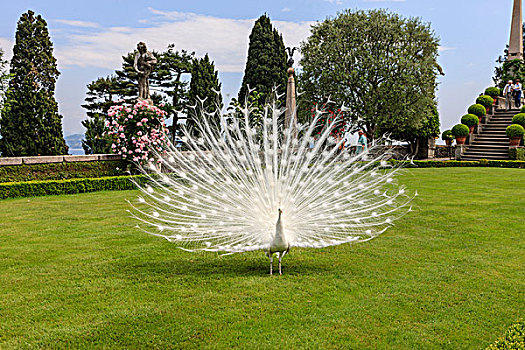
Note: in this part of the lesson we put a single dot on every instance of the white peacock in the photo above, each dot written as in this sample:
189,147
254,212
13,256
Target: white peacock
240,189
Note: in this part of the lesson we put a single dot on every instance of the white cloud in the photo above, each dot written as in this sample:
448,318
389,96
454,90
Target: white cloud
82,24
337,2
7,45
286,9
384,0
445,48
225,40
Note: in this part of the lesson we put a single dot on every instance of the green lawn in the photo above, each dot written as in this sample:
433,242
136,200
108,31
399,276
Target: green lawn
75,273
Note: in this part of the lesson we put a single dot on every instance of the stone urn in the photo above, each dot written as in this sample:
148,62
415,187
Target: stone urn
460,140
515,141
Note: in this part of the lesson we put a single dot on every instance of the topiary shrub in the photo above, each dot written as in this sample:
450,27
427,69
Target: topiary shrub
515,130
470,120
485,100
478,110
519,119
447,135
492,91
460,130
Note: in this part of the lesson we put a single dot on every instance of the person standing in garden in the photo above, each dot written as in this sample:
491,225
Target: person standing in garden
361,142
507,92
517,93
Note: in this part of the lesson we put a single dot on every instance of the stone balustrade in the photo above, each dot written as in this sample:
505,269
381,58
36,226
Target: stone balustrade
57,159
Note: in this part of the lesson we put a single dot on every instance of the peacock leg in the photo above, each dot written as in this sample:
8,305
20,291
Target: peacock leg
271,264
280,257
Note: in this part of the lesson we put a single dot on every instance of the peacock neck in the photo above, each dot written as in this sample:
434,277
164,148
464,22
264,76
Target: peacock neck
279,232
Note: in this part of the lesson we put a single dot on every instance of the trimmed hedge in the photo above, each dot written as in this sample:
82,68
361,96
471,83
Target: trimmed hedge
517,153
447,135
519,119
470,120
514,338
515,130
460,130
460,164
478,110
492,91
485,100
70,186
60,171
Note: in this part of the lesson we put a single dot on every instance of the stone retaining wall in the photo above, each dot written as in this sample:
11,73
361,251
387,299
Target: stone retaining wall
56,159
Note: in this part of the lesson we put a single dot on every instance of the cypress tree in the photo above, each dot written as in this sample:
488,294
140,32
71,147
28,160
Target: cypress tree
267,62
204,86
30,123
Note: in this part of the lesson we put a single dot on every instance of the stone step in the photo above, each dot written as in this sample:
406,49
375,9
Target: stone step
494,128
489,145
487,152
494,137
476,153
475,158
498,122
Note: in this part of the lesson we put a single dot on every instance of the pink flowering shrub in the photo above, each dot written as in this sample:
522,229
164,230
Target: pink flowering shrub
137,131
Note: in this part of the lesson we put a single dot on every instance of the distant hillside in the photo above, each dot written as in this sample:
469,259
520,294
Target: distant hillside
74,141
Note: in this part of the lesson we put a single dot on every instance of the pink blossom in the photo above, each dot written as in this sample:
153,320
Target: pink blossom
139,124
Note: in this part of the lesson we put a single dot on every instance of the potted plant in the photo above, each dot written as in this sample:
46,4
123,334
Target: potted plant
515,133
471,121
447,137
486,101
519,119
460,132
479,110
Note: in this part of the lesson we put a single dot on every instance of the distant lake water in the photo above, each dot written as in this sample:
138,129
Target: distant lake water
76,151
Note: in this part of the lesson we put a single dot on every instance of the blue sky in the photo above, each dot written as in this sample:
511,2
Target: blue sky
91,36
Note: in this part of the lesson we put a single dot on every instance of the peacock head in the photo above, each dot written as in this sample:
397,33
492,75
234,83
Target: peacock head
280,211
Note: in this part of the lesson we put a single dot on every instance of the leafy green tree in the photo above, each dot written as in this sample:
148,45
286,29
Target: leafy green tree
416,134
30,123
205,91
266,64
172,68
100,97
379,65
511,70
96,141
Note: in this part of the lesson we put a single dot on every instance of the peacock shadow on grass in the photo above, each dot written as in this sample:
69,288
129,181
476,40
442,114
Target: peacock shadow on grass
208,264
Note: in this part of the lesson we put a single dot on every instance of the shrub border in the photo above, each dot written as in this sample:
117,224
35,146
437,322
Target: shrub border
69,186
62,171
520,164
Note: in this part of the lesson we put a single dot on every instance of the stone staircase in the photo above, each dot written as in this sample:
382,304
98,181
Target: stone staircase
491,141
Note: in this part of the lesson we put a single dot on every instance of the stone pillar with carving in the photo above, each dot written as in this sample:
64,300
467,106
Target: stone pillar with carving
290,116
516,32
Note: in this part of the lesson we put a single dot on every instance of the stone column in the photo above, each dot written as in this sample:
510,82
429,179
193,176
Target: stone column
290,116
516,32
